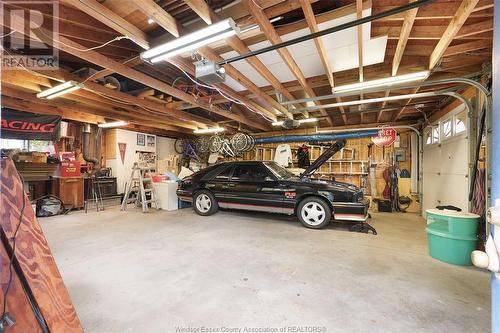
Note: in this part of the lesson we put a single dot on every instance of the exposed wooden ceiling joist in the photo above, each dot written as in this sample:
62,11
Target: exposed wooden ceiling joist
94,57
416,40
463,12
313,27
121,25
271,34
209,16
151,9
155,12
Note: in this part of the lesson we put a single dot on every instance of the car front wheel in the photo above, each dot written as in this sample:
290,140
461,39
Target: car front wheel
314,213
204,203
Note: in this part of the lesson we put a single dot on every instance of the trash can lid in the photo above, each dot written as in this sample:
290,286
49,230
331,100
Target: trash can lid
452,213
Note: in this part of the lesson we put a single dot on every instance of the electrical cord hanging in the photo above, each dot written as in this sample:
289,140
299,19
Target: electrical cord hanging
8,34
185,73
76,48
220,92
88,49
257,4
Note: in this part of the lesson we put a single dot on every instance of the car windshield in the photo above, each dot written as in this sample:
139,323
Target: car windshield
279,171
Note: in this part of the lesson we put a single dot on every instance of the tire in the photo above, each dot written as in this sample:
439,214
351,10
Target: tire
314,213
204,203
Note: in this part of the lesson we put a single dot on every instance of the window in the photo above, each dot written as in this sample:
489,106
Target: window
13,144
435,134
249,173
224,174
447,128
460,123
41,146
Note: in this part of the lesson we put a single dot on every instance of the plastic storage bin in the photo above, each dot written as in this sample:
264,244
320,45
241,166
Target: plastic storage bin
451,235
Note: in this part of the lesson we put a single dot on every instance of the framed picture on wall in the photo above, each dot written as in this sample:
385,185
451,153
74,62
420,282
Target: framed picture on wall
141,139
151,141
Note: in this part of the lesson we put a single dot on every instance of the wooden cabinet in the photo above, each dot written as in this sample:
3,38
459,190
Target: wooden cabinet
69,190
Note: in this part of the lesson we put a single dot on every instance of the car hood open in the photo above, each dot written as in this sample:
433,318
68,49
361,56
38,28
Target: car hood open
327,154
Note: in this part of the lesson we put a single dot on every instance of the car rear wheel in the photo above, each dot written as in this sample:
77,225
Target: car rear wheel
204,203
314,213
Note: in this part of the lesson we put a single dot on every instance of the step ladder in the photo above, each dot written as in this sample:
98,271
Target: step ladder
136,185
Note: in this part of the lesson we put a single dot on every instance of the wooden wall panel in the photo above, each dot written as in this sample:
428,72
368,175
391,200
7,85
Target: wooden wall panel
34,256
379,155
110,143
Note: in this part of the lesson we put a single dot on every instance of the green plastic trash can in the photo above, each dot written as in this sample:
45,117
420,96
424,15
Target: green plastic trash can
452,236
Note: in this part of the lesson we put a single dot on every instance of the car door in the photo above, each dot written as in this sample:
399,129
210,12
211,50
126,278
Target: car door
252,187
218,184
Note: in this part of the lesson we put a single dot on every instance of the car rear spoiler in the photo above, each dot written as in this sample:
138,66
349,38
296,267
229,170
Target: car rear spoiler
335,148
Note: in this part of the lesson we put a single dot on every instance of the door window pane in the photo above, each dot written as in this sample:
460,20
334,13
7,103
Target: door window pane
460,122
249,173
435,134
447,128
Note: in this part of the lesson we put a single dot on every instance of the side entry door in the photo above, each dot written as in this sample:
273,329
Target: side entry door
253,187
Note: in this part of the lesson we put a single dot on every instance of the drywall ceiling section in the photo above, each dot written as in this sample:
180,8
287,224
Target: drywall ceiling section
341,48
232,83
346,57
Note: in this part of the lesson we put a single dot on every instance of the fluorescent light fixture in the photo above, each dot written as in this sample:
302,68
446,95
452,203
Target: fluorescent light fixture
192,41
388,81
368,101
301,121
61,89
114,124
255,26
308,120
209,130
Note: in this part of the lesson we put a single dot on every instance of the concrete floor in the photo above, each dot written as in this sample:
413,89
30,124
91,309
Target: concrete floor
158,272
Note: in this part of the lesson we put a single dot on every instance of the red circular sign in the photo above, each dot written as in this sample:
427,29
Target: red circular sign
386,137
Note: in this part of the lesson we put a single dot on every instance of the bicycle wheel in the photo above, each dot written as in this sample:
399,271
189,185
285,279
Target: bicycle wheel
239,141
180,145
202,144
250,143
215,143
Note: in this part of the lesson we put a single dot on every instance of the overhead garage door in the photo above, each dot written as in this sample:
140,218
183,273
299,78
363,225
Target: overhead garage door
445,165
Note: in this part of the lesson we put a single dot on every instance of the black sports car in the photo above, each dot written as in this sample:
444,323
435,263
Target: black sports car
268,187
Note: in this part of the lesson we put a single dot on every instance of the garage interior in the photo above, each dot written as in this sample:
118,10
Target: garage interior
249,166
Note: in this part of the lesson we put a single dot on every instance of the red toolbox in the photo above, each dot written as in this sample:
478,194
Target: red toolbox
69,169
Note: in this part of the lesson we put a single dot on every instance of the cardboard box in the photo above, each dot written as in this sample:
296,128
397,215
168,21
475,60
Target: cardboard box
38,157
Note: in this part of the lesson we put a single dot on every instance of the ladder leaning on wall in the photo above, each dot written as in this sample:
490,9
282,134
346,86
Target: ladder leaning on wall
136,185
